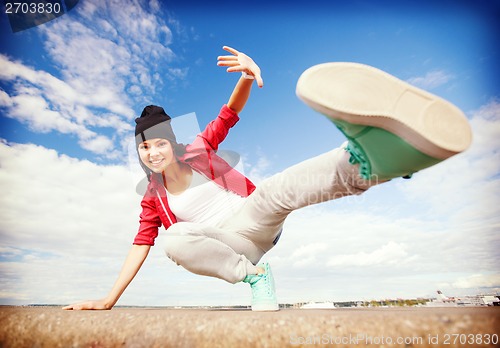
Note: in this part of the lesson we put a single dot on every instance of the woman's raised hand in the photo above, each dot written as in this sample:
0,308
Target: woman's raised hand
240,62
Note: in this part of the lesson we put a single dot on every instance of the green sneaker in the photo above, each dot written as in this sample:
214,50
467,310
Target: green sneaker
263,290
394,129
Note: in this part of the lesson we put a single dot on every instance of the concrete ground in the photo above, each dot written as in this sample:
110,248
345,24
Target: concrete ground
157,327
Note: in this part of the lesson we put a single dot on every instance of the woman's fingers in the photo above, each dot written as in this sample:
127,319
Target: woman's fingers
227,58
228,63
230,50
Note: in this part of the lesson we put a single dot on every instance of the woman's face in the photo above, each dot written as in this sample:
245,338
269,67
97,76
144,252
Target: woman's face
157,154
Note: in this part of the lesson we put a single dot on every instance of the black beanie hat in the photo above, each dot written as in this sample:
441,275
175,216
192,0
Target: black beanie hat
153,123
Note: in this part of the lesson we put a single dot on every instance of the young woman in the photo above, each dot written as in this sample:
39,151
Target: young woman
219,224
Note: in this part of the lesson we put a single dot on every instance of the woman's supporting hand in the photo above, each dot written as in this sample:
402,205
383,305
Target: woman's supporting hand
88,305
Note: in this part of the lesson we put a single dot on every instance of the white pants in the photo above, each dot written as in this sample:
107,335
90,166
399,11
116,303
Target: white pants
231,249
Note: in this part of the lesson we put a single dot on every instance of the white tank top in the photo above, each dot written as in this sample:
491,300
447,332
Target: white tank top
204,202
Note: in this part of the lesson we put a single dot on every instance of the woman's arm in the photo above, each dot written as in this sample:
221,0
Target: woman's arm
240,62
133,263
240,95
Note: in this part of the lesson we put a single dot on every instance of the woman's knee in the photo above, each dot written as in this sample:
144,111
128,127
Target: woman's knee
173,246
179,239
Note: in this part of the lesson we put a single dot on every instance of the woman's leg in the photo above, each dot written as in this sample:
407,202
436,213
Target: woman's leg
211,251
319,179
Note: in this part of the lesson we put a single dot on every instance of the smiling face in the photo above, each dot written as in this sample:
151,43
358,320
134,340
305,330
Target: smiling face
156,154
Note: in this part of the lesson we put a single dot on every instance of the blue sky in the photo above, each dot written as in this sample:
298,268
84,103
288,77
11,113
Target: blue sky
70,89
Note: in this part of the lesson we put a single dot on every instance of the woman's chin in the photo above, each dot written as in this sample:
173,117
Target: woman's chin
157,170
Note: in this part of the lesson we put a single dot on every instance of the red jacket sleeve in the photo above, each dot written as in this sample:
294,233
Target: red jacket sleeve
149,223
216,131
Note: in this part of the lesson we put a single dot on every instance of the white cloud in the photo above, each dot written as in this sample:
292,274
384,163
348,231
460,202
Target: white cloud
478,281
61,217
9,251
179,73
100,145
50,199
155,5
431,80
259,171
102,50
305,255
45,103
4,99
389,254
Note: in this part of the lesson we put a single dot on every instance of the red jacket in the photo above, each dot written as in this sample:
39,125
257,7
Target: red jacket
200,156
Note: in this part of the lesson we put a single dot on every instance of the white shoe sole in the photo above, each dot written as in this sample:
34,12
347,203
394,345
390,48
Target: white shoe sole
361,94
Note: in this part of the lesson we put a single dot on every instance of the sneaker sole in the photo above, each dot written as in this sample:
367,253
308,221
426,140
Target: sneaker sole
363,95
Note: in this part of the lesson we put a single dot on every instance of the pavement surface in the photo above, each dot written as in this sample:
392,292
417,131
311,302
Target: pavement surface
157,327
